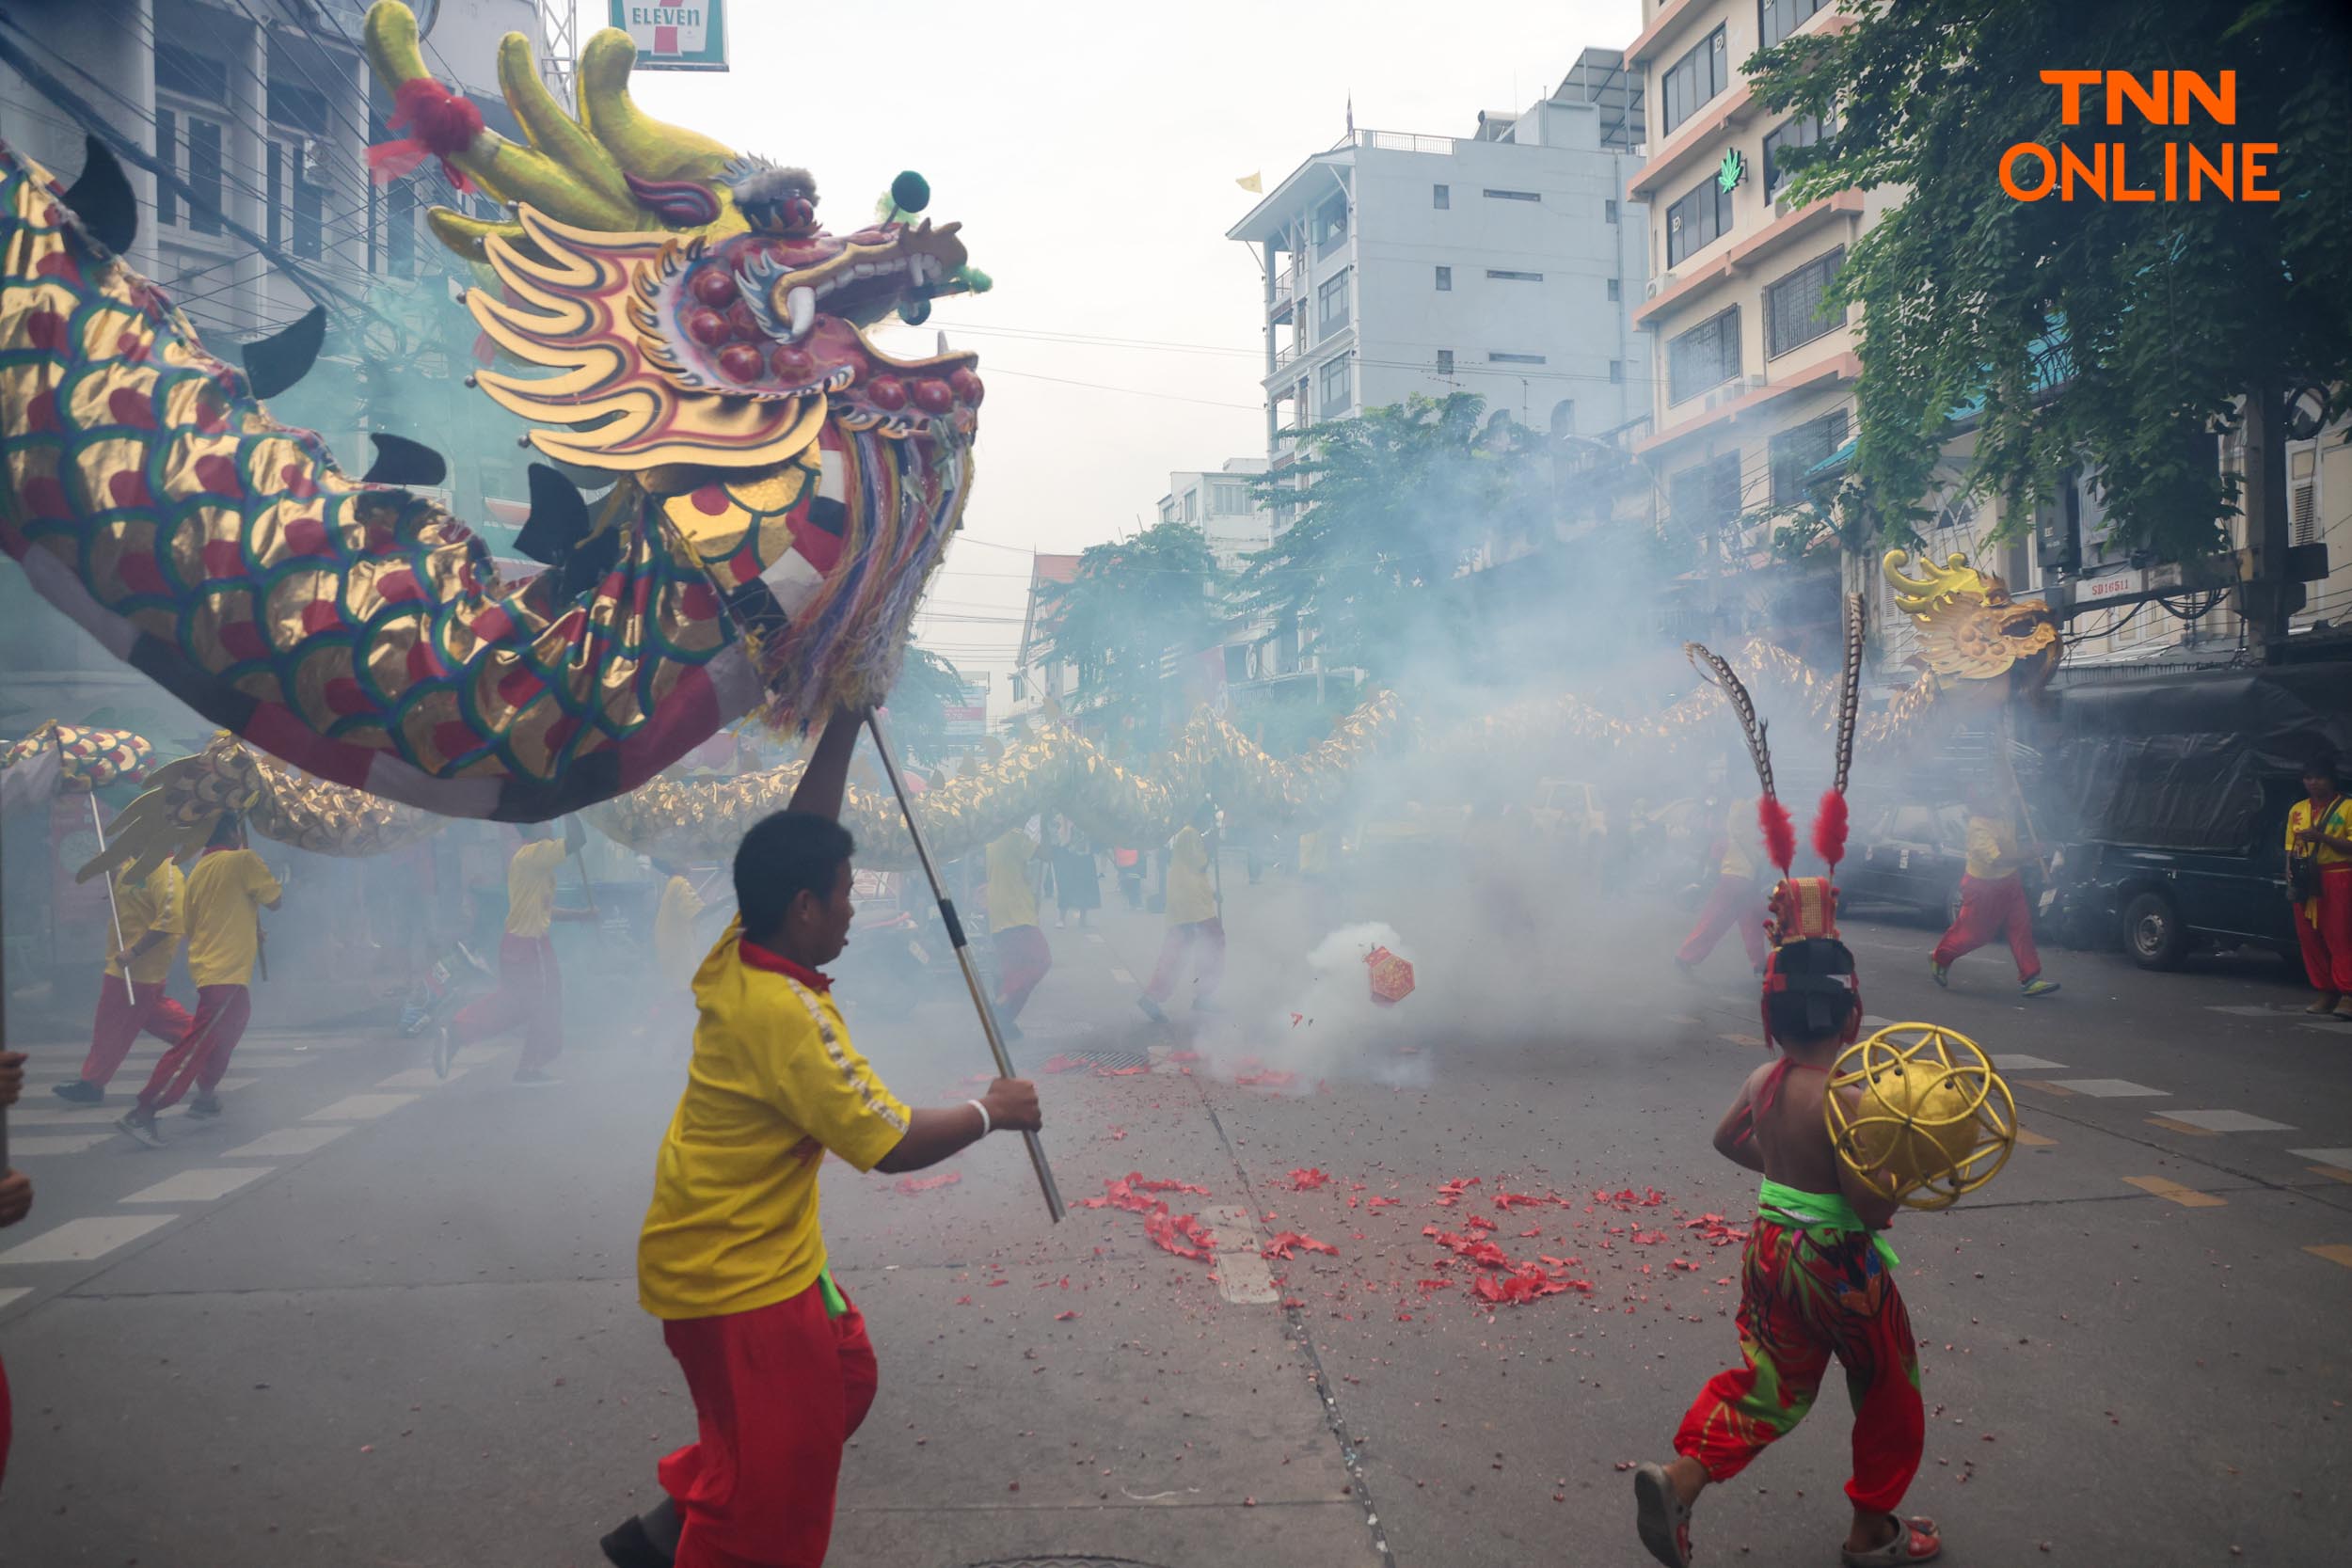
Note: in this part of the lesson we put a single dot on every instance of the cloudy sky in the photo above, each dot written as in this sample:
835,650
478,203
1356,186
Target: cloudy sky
1091,151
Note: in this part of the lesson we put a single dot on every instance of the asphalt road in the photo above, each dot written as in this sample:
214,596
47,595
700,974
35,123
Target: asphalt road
374,1319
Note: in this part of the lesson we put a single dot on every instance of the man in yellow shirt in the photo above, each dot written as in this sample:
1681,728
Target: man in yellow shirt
1734,900
678,951
1023,957
531,991
1196,933
1992,901
152,914
732,1258
227,893
2319,826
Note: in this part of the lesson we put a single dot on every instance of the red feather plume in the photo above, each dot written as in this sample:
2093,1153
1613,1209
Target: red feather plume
1829,829
1780,835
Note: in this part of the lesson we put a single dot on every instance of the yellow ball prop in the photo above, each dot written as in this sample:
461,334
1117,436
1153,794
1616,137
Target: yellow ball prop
1932,1121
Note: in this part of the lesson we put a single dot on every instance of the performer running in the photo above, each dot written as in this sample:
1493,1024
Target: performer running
531,991
1196,933
16,1201
677,951
1817,1281
153,916
1023,957
2318,835
732,1259
1733,901
1992,901
227,893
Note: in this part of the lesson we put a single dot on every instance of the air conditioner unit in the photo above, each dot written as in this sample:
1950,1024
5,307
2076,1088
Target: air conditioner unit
1756,383
1784,204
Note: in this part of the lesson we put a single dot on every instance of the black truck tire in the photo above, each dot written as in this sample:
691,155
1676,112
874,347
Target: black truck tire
2153,932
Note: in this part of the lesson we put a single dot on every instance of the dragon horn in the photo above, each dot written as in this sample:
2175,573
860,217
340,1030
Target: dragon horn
1711,665
641,145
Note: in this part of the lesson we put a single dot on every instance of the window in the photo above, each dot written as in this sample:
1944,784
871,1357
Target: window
1776,19
1445,361
1698,221
1445,280
1331,226
1192,506
1331,306
190,117
1797,133
183,71
1705,496
1229,497
203,174
1498,357
298,204
1514,195
1167,510
297,108
1796,451
1616,373
1707,355
1441,197
1615,292
1514,276
1691,81
168,152
400,228
1335,387
1795,307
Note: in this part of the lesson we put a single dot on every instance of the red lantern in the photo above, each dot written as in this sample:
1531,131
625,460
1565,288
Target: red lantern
1391,977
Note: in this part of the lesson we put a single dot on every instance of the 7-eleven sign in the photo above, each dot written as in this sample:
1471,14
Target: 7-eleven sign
688,36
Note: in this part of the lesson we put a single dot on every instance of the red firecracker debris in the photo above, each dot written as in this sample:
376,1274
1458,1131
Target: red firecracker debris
1450,1193
1715,1231
1265,1078
927,1183
1065,1317
1061,1062
1296,1018
1391,977
964,1301
1517,1201
1383,1203
1307,1179
1627,1200
1282,1245
1180,1234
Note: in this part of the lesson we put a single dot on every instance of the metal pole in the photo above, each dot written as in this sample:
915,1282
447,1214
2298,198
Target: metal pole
963,959
123,957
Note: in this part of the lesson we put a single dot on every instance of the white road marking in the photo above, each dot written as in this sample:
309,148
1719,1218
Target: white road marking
1121,975
423,1078
61,1115
2011,1062
2248,1010
231,1086
361,1107
71,1143
2110,1088
84,1240
2340,1157
13,1294
284,1142
1094,936
1241,1276
2228,1121
198,1186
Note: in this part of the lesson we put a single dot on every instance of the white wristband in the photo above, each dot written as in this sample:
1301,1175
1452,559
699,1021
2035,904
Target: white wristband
986,1125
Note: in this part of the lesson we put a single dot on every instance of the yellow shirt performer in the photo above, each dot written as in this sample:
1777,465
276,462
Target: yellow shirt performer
153,912
2319,832
1023,957
732,1258
1992,900
227,893
1196,933
531,991
1734,900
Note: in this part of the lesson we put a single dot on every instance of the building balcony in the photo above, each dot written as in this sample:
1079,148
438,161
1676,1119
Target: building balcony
1719,263
1285,364
1285,301
1728,404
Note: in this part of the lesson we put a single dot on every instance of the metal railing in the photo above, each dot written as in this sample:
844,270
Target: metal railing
1397,142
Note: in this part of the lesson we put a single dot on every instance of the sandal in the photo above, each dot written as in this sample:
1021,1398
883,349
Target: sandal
1915,1541
1662,1518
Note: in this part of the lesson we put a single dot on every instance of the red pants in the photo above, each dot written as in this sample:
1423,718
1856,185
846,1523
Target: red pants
1801,1303
1735,901
530,994
202,1055
1199,945
777,1393
2328,946
121,1018
1025,959
1989,909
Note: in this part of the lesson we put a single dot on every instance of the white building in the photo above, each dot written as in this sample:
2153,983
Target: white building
1506,264
1223,504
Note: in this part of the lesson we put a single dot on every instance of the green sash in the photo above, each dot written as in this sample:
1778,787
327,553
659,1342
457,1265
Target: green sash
835,1303
1824,1217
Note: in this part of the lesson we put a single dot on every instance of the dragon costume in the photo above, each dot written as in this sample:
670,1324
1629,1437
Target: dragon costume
778,489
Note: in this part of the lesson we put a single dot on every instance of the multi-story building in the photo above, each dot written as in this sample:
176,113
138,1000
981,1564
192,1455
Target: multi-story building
1504,262
1041,685
1225,505
1753,377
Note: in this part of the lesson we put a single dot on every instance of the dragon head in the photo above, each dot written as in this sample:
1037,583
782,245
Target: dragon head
1969,628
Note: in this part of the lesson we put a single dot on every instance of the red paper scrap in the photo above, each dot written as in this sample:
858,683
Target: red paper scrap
1383,1203
1450,1194
1516,1200
1307,1179
927,1183
1282,1245
1065,1317
1268,1078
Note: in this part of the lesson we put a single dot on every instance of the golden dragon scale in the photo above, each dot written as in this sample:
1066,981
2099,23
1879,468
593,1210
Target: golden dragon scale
780,490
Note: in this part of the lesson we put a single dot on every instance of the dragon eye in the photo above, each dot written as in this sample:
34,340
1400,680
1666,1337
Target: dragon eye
798,212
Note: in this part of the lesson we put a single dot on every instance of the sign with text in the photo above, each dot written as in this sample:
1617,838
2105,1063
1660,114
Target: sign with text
690,36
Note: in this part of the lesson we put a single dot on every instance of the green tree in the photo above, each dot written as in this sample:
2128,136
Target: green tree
1397,502
2118,335
1129,603
927,685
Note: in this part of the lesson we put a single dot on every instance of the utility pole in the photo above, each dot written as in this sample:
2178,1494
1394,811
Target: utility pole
2268,596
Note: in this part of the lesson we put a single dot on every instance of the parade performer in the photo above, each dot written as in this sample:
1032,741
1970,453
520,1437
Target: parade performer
1993,899
675,953
2319,874
227,893
530,990
1735,901
732,1258
1195,930
1022,956
152,914
16,1201
1077,882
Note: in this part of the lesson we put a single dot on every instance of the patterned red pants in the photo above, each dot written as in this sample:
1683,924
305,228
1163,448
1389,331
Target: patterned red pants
1801,1302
